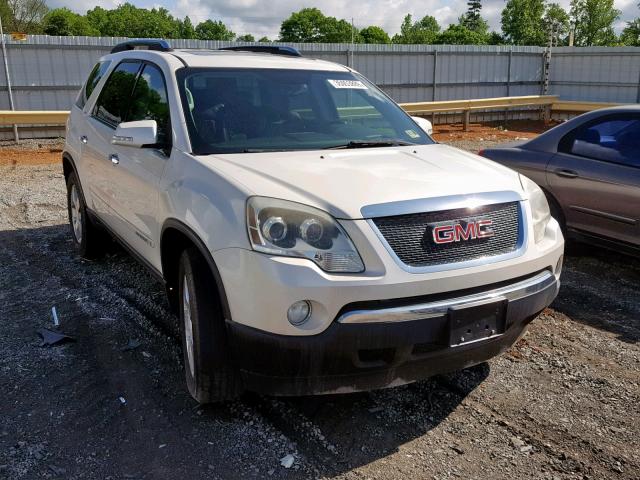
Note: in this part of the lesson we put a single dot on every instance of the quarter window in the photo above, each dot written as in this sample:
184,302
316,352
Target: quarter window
115,98
615,139
94,78
149,100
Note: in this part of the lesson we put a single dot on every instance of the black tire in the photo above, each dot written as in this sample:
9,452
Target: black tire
88,240
210,374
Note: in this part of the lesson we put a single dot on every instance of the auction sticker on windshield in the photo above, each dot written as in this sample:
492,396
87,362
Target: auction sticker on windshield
347,84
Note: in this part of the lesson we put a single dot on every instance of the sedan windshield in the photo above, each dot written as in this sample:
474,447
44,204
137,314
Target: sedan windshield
264,110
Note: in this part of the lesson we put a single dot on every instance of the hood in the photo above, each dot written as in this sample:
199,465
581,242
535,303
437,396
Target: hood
513,144
343,182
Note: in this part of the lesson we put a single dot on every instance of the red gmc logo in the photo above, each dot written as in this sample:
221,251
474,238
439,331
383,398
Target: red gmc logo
462,230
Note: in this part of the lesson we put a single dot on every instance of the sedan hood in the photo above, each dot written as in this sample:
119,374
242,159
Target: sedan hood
513,144
343,182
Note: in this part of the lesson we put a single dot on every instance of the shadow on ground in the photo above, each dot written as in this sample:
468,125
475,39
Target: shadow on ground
601,288
95,409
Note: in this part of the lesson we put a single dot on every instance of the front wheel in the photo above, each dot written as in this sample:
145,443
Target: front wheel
208,368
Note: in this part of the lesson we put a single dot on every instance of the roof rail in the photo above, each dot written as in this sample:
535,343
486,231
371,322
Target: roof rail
147,44
272,49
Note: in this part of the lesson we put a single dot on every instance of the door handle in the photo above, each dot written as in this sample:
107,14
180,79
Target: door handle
84,139
114,159
564,172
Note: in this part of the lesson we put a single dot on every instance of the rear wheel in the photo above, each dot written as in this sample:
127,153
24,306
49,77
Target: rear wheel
88,239
208,368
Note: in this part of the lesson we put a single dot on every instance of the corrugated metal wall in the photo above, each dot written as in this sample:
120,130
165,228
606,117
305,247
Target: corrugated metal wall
597,74
47,72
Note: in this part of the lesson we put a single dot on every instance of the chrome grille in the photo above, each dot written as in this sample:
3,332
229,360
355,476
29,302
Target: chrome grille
410,236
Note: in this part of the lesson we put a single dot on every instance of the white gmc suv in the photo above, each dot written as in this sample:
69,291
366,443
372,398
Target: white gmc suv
312,236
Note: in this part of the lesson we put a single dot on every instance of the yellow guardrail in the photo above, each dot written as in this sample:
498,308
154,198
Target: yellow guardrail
548,103
580,107
33,117
478,104
467,106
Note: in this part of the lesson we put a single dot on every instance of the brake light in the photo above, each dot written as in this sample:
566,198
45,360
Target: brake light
481,152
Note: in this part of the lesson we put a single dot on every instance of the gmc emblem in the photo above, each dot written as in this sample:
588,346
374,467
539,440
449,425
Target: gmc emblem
462,230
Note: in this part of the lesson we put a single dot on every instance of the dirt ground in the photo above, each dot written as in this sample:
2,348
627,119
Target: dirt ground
562,404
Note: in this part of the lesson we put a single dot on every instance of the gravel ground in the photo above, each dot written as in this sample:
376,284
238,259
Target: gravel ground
562,404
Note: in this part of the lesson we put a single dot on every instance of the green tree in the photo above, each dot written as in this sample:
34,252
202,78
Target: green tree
303,26
310,25
264,40
522,22
423,31
214,30
338,31
631,34
128,20
62,21
461,35
593,22
186,28
373,34
472,19
495,38
556,24
22,16
247,37
99,19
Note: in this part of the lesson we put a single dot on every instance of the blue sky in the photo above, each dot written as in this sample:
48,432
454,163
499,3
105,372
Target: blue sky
260,17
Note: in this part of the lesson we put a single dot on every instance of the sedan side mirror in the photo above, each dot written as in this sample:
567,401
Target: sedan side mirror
139,134
424,124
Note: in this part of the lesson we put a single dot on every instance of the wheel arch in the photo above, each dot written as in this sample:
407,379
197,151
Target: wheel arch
175,237
68,166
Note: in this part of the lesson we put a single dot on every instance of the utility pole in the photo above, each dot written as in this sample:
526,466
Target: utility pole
572,30
8,77
353,41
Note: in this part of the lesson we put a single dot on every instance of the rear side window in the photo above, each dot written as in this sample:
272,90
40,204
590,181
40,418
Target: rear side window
612,139
94,78
115,98
149,100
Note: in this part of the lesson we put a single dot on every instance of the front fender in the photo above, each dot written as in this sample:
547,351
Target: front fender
211,205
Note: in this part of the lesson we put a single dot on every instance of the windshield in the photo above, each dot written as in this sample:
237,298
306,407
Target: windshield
253,110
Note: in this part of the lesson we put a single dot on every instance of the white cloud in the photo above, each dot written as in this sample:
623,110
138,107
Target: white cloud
262,17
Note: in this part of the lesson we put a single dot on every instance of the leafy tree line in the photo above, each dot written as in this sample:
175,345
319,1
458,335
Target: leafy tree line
523,22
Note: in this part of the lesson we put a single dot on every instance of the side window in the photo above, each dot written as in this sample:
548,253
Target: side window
115,98
149,101
615,139
94,77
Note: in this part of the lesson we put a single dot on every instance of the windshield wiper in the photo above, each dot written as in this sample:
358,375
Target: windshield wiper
370,144
263,150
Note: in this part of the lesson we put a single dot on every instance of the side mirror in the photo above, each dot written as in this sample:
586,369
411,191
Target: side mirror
138,134
424,124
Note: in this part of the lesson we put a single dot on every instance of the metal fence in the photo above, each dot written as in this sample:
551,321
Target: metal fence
47,72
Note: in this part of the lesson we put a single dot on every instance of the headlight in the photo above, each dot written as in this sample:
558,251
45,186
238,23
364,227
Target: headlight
539,207
279,227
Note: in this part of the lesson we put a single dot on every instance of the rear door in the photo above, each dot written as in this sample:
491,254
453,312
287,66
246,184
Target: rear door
596,177
110,109
77,134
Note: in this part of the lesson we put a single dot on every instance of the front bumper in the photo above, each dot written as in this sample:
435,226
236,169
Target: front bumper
387,343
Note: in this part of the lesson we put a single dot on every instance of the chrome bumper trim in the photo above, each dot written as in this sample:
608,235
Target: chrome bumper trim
421,311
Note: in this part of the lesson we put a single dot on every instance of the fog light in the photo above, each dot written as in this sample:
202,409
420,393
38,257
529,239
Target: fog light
299,312
559,265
